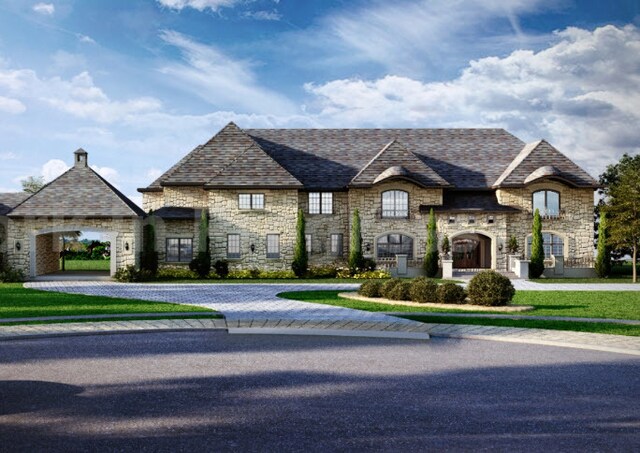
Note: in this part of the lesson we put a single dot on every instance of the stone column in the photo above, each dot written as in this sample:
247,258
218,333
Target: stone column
447,268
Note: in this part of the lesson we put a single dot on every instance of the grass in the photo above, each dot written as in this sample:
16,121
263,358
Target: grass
294,281
19,302
86,265
584,280
584,304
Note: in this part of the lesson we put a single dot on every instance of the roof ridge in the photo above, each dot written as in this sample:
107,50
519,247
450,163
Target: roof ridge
373,159
526,151
122,197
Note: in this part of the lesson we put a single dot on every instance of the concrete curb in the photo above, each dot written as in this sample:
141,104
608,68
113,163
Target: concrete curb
330,332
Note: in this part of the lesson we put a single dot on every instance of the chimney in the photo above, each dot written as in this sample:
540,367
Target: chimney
80,158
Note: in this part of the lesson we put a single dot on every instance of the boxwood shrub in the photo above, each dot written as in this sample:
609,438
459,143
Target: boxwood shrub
370,288
400,291
423,290
387,286
490,288
450,293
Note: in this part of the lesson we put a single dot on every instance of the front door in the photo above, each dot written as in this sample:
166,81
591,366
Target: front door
466,253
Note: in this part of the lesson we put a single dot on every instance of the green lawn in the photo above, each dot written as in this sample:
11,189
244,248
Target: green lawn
19,302
86,265
585,280
584,304
303,281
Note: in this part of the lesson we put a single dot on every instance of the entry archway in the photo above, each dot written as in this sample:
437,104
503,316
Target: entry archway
473,250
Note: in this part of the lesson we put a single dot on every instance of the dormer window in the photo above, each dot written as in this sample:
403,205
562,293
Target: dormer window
547,202
395,204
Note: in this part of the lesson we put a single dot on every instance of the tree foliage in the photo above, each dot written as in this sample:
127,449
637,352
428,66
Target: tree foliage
536,266
201,264
149,256
356,260
623,205
603,260
431,250
300,254
32,184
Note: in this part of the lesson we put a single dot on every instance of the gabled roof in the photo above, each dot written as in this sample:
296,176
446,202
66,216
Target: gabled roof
253,168
394,161
79,192
10,200
539,160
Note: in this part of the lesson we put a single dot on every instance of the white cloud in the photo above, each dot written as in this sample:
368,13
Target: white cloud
582,93
219,79
108,173
263,15
200,5
8,156
52,169
154,173
46,9
12,106
85,39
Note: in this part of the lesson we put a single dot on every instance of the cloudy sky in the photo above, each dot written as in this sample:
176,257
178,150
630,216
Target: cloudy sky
139,83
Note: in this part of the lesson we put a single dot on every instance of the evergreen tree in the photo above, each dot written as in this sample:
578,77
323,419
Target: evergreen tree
603,260
431,250
201,264
536,266
356,260
149,256
300,254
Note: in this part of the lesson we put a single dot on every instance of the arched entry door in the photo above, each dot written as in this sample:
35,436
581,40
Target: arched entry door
471,251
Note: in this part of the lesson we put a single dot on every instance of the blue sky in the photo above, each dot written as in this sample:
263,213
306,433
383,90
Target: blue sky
140,83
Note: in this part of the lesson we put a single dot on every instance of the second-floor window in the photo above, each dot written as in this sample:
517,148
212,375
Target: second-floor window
395,203
251,201
320,203
547,202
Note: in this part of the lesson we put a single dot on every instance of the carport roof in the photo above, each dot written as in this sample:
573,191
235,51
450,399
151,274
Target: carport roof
79,192
10,200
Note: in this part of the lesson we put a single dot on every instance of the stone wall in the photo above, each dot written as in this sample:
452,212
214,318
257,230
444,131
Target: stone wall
48,258
184,197
27,231
152,200
175,229
322,226
575,224
278,217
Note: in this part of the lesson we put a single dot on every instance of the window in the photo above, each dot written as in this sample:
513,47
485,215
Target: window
179,250
307,240
395,244
547,202
320,203
471,219
233,246
551,244
251,201
395,203
452,219
490,219
336,244
273,246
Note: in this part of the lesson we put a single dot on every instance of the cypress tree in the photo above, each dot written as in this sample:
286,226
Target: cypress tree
201,264
356,260
536,266
300,254
431,250
603,260
149,256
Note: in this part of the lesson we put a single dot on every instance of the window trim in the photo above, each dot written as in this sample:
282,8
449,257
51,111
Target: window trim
251,203
179,260
272,255
395,208
545,215
308,242
340,245
529,240
321,197
234,256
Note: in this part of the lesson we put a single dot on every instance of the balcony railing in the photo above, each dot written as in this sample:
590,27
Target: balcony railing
391,214
550,215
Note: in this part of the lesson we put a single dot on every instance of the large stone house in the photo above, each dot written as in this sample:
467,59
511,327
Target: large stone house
483,185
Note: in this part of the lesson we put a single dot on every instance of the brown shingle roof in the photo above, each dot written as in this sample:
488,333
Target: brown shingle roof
79,192
10,200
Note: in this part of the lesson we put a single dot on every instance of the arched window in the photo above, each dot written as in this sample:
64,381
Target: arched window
547,202
390,245
552,245
395,203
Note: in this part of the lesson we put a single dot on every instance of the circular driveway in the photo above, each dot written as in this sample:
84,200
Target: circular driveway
210,391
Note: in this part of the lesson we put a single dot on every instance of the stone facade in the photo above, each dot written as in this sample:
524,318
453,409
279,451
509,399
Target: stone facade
36,236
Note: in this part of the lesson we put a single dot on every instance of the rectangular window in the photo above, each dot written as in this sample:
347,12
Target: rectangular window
472,219
307,239
179,250
251,201
452,219
233,246
320,203
336,244
490,219
273,246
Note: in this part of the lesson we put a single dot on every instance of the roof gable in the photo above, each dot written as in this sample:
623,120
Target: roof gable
539,160
253,168
79,192
395,161
10,200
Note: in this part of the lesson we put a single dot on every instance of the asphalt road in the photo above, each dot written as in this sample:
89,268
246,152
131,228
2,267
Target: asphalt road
209,391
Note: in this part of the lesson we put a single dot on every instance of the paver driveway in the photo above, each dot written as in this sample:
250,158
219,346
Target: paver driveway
241,302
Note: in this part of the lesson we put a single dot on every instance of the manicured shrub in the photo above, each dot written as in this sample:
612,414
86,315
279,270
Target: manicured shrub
174,272
388,286
356,260
244,274
131,274
450,293
364,275
369,264
10,275
490,288
343,272
201,264
423,290
149,256
222,268
536,265
400,291
276,274
370,288
324,271
603,260
300,254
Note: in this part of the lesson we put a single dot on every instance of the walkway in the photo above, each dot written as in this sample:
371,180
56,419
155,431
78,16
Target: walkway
528,285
